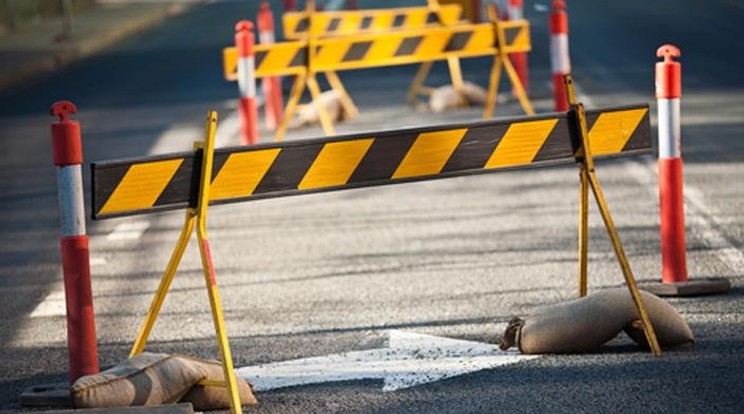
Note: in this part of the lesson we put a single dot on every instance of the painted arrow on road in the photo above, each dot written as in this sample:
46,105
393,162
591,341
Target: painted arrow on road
410,359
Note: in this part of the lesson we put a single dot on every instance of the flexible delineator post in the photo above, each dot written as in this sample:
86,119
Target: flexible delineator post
290,5
515,11
559,58
272,86
671,198
244,42
67,151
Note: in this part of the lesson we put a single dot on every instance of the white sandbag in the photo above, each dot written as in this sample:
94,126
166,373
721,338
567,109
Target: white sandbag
582,325
205,398
447,97
307,114
146,379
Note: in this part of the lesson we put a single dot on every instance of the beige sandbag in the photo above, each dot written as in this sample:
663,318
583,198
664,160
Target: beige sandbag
307,114
447,97
583,325
205,398
146,379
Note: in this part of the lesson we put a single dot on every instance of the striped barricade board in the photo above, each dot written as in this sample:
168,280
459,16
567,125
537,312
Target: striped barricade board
169,182
346,22
382,49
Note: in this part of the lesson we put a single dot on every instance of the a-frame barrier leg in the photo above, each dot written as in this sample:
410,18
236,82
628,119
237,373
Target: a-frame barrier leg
294,98
418,82
197,217
348,104
325,119
588,173
502,60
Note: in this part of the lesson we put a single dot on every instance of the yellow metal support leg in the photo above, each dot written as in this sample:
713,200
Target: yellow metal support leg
325,119
418,83
583,228
524,101
493,88
294,98
347,103
455,73
584,156
165,282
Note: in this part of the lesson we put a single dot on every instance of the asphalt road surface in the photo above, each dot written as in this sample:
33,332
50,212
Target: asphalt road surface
317,275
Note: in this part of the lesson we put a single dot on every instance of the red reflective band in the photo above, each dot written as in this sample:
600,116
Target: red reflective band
265,18
81,326
558,18
210,265
249,120
559,93
671,204
67,147
668,72
244,38
515,3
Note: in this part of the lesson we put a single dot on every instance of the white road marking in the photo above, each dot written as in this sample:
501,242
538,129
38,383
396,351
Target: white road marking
410,359
130,230
53,305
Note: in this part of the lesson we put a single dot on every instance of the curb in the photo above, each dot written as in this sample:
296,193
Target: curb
90,46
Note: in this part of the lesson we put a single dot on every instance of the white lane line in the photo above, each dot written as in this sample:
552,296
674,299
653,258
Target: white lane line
130,230
53,305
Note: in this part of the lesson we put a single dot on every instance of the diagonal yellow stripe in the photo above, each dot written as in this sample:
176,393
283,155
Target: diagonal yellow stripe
241,173
335,163
141,186
612,130
520,143
429,153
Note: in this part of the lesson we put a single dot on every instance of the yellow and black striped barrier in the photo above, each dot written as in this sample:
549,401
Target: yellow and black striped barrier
348,22
383,49
377,158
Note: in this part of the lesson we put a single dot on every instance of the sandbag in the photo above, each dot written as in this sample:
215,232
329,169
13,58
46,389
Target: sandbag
205,398
307,114
584,324
146,379
447,97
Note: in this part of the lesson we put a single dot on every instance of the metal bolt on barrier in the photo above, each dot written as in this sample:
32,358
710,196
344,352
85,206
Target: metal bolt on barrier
81,328
272,86
244,42
559,58
668,82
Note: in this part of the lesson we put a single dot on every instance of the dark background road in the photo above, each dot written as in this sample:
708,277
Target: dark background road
321,274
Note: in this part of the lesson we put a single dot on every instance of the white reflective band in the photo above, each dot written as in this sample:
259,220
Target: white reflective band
266,37
515,13
559,61
71,205
669,129
246,77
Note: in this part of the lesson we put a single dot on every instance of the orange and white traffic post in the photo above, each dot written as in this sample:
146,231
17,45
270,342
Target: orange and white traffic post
272,86
515,11
674,280
559,58
67,149
244,43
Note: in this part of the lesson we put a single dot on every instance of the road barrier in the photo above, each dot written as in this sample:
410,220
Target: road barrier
560,61
305,58
668,80
272,86
67,151
195,179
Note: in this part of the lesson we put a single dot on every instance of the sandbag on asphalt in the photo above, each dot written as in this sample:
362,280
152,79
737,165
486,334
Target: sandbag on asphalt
205,398
447,97
583,325
146,379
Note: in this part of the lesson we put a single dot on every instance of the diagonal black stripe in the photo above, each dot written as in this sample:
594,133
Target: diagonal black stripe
299,59
289,168
383,158
260,58
357,51
399,20
302,25
366,22
432,17
184,185
557,144
476,147
104,182
641,137
408,46
458,41
510,34
333,24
